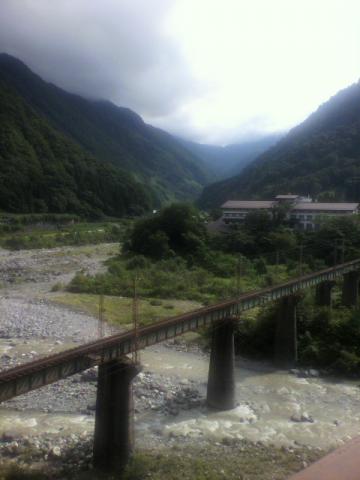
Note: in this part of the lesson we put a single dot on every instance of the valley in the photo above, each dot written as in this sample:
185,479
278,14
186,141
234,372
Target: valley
197,164
280,415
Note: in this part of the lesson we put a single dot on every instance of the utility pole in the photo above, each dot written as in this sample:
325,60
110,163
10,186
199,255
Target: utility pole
343,250
335,253
239,275
277,261
135,313
101,316
301,259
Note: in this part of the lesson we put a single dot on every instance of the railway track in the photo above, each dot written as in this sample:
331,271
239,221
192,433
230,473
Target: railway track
40,372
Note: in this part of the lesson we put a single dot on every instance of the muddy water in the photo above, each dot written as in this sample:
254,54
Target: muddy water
33,423
274,407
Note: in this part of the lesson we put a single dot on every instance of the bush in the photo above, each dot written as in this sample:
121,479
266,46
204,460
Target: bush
177,229
255,336
137,262
57,286
155,303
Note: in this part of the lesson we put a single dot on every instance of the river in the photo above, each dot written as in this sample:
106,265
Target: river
274,407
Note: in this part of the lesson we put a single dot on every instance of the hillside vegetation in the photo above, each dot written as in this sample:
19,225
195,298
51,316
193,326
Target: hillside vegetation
320,157
233,158
43,170
111,134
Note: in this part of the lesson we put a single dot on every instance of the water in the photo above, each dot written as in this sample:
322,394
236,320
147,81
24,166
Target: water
34,423
268,402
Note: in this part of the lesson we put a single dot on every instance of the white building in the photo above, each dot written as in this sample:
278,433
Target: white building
305,213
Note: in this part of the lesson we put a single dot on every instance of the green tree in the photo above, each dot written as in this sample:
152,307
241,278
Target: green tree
178,228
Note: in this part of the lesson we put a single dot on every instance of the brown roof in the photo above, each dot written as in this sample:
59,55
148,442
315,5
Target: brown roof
307,206
326,206
248,204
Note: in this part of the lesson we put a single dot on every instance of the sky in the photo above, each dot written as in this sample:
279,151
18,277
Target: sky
213,71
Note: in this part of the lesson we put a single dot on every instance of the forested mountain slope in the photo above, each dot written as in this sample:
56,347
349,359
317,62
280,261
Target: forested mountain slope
41,170
111,134
233,158
320,157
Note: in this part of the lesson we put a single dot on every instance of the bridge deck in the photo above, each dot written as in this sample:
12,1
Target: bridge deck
46,370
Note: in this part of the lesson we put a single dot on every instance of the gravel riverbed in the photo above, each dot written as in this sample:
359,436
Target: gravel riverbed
280,416
31,325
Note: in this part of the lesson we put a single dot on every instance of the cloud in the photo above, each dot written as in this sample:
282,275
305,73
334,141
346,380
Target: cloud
212,70
113,49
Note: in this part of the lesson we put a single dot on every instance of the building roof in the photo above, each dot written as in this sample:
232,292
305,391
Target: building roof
301,206
248,204
326,206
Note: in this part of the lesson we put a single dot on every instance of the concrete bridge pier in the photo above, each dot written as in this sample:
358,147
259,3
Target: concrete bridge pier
285,354
350,289
114,437
221,381
323,293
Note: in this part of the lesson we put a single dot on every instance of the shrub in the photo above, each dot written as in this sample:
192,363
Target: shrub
57,286
155,303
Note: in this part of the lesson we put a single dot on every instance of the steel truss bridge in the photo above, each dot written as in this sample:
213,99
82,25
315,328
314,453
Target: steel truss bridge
38,373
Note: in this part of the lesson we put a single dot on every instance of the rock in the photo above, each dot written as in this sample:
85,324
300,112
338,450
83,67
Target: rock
228,441
184,381
304,417
55,452
7,437
311,372
173,411
89,376
12,448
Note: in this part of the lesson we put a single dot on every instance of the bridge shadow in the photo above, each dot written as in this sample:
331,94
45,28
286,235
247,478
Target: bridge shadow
252,367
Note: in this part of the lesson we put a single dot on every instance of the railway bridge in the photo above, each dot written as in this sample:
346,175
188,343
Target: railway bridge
113,437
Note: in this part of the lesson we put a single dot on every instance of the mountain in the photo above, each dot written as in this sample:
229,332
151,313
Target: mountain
231,159
111,134
42,170
320,157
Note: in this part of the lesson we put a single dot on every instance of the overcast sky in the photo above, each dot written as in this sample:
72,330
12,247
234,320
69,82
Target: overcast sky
216,71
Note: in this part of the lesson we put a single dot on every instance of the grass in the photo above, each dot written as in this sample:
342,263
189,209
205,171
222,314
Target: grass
118,310
53,235
243,461
217,463
174,278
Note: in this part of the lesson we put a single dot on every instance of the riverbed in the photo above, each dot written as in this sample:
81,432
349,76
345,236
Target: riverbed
274,407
